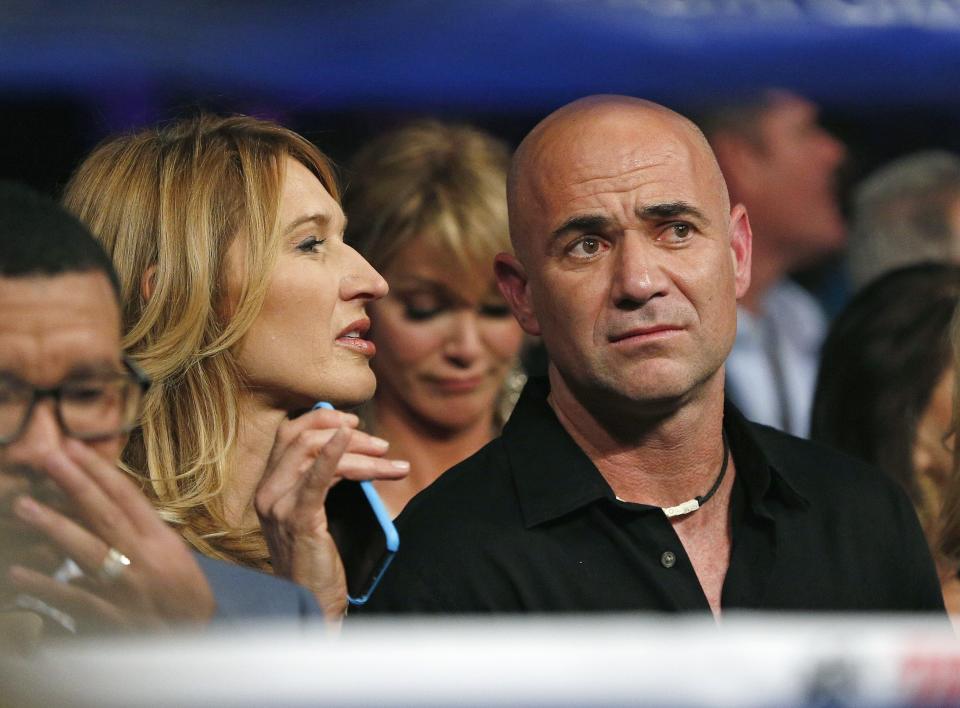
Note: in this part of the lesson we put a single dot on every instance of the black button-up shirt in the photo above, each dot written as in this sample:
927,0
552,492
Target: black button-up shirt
529,524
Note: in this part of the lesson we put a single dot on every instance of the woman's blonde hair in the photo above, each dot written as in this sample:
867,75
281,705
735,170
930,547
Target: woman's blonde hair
167,204
441,182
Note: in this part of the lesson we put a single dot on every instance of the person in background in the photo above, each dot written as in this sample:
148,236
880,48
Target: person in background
781,164
68,399
886,382
427,207
245,307
906,212
948,536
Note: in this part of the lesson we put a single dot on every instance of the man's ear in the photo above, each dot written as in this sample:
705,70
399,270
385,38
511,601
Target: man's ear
741,248
513,284
148,282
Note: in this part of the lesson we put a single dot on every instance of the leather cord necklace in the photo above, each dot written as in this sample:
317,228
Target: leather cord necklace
692,505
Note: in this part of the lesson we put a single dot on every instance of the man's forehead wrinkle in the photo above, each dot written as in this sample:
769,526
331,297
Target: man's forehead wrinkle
666,176
630,164
602,144
626,145
49,325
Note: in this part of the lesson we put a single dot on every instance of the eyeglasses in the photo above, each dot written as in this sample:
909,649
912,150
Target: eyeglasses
94,408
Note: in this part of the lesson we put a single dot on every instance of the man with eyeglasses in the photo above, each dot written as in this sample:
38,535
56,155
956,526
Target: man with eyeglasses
68,399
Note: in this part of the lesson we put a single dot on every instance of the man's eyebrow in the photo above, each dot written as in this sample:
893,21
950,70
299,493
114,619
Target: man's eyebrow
581,224
671,210
101,367
80,370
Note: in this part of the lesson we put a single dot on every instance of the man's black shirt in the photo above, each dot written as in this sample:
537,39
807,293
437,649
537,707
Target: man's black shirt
529,524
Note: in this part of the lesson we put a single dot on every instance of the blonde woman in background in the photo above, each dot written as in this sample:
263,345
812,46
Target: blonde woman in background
427,207
245,306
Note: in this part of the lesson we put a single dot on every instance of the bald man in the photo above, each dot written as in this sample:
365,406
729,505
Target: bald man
625,480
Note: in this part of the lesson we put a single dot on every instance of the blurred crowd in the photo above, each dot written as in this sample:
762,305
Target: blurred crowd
598,332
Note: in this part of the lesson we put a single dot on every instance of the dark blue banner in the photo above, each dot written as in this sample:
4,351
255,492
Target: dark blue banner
513,54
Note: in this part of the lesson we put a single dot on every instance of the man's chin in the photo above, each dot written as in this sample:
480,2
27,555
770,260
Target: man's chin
626,398
648,393
652,385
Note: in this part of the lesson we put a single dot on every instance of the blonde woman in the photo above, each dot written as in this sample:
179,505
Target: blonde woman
427,207
245,306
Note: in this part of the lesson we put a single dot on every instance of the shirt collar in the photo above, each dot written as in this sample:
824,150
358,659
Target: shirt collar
554,477
763,469
552,474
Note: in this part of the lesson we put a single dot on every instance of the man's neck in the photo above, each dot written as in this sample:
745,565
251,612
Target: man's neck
671,458
661,458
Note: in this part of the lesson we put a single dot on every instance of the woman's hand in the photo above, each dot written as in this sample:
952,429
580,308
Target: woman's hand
310,454
162,586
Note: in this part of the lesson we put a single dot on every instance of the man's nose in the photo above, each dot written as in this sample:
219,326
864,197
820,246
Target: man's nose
41,436
638,276
833,150
463,344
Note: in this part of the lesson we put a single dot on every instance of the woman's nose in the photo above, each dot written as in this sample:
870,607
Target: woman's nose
463,344
362,279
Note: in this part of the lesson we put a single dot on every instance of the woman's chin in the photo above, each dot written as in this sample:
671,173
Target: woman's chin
452,419
351,393
343,394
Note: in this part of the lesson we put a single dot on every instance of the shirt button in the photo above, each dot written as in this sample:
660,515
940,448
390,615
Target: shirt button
668,559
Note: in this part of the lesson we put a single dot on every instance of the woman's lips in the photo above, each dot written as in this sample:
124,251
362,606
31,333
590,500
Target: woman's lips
358,344
458,385
351,337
